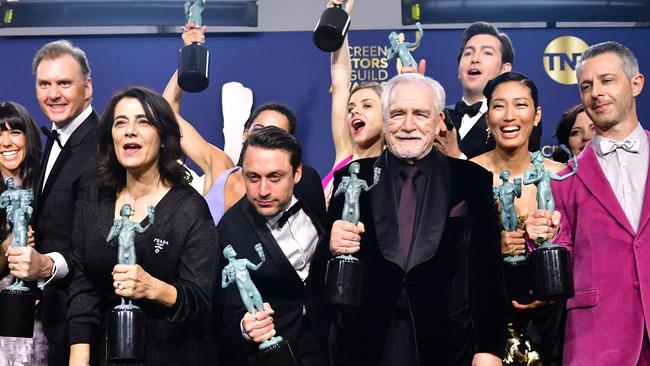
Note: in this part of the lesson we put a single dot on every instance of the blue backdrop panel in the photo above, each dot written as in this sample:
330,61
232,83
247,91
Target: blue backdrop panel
287,67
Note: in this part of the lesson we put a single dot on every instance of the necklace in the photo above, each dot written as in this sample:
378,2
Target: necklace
133,198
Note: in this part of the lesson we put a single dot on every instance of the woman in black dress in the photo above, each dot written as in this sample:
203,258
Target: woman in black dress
173,280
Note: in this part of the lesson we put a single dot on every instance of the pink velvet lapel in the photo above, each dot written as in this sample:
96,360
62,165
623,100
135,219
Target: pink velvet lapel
645,210
591,174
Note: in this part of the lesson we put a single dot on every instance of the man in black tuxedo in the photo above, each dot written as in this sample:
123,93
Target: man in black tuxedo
64,92
484,54
429,239
289,221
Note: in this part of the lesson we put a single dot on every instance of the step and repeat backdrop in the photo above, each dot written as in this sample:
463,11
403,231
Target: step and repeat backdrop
286,67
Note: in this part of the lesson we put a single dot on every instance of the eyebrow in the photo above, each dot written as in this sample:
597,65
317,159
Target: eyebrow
362,100
136,116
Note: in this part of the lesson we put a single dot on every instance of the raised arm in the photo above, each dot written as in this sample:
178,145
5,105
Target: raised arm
418,37
260,252
343,186
115,230
341,71
212,160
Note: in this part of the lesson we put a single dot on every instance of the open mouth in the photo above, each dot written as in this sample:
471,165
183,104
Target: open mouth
357,126
474,72
131,148
510,131
9,154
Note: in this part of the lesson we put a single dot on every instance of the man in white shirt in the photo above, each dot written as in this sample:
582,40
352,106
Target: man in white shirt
289,221
64,92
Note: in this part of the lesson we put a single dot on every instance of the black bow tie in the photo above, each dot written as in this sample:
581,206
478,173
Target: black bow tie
288,213
471,110
52,135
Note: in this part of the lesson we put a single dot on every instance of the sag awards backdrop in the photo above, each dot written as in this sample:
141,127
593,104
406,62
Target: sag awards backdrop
288,68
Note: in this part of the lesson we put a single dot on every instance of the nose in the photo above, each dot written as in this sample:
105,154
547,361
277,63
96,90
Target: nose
409,123
508,115
4,138
264,188
588,135
131,129
53,92
596,90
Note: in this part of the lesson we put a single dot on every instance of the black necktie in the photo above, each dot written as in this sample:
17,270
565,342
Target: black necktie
471,110
288,213
407,206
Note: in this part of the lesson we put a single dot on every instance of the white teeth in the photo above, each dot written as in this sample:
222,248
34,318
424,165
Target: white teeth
510,129
8,154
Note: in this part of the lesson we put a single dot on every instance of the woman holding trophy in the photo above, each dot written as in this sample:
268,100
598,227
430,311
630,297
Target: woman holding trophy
166,261
513,111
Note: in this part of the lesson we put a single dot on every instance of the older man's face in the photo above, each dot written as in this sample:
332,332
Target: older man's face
412,121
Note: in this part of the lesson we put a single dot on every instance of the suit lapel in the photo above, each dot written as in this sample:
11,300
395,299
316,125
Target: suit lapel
269,243
433,214
384,208
645,210
75,139
592,176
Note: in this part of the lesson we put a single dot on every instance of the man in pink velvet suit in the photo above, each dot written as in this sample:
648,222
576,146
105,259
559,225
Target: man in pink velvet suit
603,213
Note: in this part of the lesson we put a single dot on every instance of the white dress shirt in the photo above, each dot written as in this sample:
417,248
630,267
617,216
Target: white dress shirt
467,122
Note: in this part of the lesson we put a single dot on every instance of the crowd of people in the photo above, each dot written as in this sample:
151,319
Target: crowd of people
428,234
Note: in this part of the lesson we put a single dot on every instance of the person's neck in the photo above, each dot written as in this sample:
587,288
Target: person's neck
15,174
371,151
516,160
619,131
472,97
139,185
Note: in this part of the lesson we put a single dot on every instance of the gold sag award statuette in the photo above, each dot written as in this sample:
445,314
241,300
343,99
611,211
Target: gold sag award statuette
561,57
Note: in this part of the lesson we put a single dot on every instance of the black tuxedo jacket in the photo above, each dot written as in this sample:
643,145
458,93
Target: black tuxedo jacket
476,142
452,279
278,282
55,203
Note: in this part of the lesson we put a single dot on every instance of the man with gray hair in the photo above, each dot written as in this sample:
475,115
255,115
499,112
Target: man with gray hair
429,239
64,91
604,211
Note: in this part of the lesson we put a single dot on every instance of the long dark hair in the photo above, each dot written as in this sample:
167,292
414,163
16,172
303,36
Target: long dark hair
14,116
111,175
563,131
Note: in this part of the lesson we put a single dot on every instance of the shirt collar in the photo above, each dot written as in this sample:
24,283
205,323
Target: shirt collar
637,133
484,106
396,165
66,131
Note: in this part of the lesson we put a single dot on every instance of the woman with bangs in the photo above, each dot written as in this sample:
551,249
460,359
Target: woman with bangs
20,154
513,110
173,281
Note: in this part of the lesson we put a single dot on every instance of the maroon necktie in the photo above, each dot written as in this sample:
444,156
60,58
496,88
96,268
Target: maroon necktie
407,206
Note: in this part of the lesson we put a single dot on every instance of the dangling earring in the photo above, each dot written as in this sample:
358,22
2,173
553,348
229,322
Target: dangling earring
488,131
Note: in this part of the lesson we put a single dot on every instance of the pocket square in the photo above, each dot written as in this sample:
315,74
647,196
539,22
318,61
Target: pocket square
460,210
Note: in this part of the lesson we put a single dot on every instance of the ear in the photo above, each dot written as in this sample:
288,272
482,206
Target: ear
297,175
538,116
637,84
440,126
506,67
89,88
245,135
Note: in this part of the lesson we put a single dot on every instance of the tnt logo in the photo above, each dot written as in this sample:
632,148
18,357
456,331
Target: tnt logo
561,57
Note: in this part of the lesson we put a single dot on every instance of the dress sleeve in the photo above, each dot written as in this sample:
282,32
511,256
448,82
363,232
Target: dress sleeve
197,269
84,313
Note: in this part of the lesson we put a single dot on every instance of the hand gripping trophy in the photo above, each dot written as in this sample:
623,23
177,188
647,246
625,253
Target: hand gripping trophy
273,351
126,323
344,278
551,263
401,49
194,59
17,303
516,266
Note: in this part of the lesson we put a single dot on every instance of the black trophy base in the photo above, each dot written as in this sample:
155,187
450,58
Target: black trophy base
331,29
552,278
193,67
17,313
126,334
344,281
517,281
279,354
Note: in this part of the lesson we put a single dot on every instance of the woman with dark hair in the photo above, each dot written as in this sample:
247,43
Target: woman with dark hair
20,154
513,111
173,280
574,130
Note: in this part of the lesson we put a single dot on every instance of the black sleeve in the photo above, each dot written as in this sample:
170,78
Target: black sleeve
84,313
487,296
196,267
534,141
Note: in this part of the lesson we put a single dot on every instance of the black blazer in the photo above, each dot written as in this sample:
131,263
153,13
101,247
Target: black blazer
476,142
278,282
70,175
453,278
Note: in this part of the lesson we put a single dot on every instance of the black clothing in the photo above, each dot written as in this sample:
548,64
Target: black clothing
476,142
450,286
298,316
180,248
54,207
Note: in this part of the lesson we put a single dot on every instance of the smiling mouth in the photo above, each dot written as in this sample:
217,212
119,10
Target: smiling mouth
474,72
132,146
9,154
